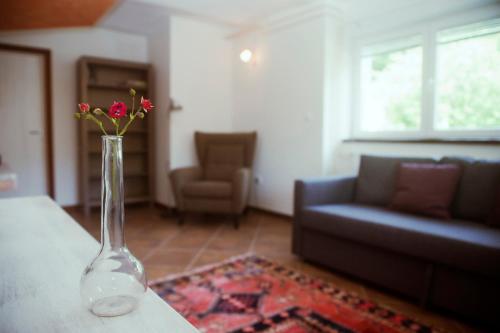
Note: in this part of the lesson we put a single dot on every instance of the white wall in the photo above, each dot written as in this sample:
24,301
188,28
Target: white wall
192,62
200,81
297,97
192,65
159,56
281,96
67,46
346,155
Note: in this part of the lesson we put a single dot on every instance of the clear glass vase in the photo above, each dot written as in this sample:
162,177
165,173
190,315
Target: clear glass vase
114,282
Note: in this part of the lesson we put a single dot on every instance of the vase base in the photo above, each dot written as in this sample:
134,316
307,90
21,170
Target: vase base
114,306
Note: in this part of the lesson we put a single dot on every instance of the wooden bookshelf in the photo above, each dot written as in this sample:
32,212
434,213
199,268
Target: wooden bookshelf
100,82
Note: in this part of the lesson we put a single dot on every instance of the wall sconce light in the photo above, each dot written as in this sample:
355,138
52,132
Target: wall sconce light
246,55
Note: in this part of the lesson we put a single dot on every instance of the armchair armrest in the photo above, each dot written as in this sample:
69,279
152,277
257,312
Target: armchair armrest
179,177
241,189
324,191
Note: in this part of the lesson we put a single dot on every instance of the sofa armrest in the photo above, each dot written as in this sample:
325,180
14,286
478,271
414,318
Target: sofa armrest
318,192
324,191
179,177
241,188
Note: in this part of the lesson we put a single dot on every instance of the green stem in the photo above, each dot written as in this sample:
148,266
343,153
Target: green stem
112,120
102,128
133,105
98,122
113,170
132,117
106,115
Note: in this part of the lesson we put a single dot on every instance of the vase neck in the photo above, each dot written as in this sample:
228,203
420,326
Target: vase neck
112,212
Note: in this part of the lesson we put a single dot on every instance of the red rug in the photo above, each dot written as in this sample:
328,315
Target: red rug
251,294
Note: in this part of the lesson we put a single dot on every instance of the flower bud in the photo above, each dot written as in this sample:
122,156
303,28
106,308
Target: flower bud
98,112
131,92
77,115
84,107
140,115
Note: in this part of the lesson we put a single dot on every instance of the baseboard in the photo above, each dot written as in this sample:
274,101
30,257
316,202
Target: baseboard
156,204
271,212
172,210
167,211
163,206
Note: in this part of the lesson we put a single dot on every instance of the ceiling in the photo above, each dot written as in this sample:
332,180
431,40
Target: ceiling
248,13
40,14
236,14
231,12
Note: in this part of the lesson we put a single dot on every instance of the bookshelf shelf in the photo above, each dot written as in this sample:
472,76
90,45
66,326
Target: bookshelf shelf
116,87
100,82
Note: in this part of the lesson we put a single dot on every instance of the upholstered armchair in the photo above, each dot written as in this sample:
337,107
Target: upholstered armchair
221,182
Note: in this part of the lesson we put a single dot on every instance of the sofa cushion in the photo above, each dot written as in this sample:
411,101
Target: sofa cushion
377,177
222,160
494,218
477,189
207,189
426,188
457,243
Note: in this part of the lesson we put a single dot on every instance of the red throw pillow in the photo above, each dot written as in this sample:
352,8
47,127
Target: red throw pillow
426,188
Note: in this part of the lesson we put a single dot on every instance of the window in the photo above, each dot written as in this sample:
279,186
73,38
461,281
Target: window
440,83
468,72
392,86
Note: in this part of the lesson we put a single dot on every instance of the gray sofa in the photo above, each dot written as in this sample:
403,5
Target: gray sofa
343,223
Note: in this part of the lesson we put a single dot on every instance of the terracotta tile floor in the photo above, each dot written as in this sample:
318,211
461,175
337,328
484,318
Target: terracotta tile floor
166,248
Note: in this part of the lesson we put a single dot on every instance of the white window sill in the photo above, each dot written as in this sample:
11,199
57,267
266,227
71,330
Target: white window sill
486,141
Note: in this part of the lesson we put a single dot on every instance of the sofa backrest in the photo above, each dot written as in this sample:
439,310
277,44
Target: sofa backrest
377,178
477,190
474,200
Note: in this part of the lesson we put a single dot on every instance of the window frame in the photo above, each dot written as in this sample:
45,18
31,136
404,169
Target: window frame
428,31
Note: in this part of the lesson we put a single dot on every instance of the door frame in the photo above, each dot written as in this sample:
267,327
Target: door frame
47,64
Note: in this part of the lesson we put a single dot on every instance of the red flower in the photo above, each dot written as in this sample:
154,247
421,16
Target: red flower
84,107
146,104
117,110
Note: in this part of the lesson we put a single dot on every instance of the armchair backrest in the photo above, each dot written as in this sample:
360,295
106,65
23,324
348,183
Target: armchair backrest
220,154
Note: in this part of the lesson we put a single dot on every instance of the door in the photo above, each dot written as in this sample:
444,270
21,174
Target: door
22,121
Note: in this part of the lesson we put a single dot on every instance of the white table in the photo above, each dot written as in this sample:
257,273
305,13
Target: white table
43,252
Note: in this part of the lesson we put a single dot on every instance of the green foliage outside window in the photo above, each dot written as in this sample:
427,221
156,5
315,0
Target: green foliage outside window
467,88
395,86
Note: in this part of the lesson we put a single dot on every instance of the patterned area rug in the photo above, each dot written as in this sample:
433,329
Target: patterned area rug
251,294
